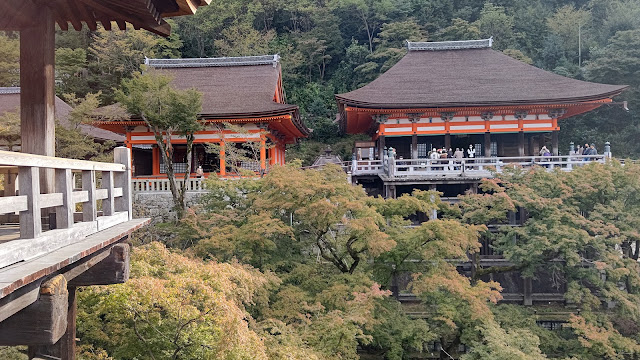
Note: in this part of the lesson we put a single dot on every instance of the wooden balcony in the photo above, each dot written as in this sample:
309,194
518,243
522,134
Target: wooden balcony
79,242
403,170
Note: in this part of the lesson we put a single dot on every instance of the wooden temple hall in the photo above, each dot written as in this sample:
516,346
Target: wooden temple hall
243,106
458,94
74,216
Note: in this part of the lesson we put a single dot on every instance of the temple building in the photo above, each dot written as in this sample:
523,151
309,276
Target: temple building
460,94
244,92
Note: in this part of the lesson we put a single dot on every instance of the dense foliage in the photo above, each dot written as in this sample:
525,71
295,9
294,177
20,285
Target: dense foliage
322,257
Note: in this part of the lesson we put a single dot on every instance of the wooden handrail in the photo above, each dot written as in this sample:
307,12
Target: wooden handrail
115,194
21,159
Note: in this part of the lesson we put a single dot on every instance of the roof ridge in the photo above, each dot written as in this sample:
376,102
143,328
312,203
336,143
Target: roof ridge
214,62
10,90
450,45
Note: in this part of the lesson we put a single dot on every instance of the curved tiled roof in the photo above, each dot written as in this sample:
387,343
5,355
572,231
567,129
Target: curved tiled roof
449,74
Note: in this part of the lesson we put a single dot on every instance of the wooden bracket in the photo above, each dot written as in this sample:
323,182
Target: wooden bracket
110,268
41,323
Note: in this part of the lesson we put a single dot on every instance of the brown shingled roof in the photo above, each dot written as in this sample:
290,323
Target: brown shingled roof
448,77
232,91
10,102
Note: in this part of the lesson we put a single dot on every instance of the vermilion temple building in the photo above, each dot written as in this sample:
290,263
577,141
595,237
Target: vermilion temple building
455,94
243,91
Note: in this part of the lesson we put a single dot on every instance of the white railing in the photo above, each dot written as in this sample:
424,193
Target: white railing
478,167
365,167
162,185
107,195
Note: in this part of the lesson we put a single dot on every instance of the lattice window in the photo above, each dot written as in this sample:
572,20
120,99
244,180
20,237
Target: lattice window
422,151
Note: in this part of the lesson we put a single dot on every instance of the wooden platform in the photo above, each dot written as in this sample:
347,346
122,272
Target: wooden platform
9,232
20,283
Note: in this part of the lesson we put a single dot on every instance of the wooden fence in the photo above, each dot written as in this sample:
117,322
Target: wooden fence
104,195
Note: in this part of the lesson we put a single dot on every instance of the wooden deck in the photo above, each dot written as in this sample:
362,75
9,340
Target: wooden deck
9,232
15,279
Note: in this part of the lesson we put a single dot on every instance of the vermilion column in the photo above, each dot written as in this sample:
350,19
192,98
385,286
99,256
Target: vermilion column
223,162
263,153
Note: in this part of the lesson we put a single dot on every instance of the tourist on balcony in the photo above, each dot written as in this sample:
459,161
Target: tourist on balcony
458,155
433,155
471,154
199,172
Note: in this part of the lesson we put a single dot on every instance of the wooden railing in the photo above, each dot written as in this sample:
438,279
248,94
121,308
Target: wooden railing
478,167
105,191
162,185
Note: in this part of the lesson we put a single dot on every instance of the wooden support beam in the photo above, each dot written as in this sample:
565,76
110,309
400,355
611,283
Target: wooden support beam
122,155
554,143
414,146
89,208
447,141
223,160
109,267
527,288
65,348
64,185
30,219
37,90
42,323
487,144
381,146
263,153
521,143
108,204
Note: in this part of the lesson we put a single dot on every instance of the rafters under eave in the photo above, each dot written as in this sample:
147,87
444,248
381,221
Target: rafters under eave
141,14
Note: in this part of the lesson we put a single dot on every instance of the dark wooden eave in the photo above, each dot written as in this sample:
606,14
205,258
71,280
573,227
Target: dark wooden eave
141,14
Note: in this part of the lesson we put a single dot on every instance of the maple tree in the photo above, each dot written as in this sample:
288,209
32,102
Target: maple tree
168,113
581,228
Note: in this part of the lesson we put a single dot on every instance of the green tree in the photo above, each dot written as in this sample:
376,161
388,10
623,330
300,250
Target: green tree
117,55
459,30
174,307
566,23
167,112
71,142
580,229
10,62
495,22
10,129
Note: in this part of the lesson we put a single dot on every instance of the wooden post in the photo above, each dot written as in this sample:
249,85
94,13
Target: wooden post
43,322
263,154
447,141
89,208
414,146
381,146
487,144
554,143
527,291
37,90
10,183
30,219
108,204
122,155
223,160
64,185
521,143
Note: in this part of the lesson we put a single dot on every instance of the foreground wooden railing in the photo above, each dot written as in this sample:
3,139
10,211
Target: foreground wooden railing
112,199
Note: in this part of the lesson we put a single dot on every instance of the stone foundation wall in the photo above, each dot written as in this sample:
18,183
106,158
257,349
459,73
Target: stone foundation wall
159,205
